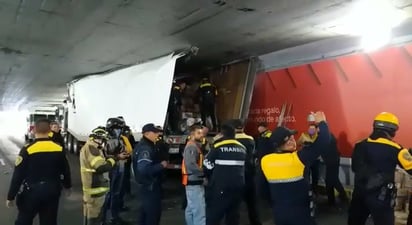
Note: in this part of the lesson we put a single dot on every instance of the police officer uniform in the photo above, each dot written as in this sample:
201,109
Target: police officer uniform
57,137
39,167
148,171
207,93
284,170
227,160
94,165
374,161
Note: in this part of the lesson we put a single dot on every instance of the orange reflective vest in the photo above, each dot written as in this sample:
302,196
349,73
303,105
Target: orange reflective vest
185,175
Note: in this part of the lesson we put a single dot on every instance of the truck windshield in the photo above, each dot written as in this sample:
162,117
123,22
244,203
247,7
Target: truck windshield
35,117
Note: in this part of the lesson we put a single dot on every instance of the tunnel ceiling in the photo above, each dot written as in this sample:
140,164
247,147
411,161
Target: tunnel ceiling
45,43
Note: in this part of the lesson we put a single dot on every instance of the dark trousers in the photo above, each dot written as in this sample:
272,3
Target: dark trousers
332,182
174,118
114,200
314,173
363,205
150,208
208,109
224,203
126,189
41,199
292,215
250,199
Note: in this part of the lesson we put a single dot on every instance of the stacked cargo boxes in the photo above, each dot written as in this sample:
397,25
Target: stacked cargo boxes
403,184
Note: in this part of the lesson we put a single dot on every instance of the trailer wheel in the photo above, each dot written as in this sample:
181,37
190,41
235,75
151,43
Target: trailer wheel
66,141
76,148
69,143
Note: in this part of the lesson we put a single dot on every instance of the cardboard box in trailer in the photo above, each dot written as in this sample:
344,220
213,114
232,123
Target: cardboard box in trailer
234,82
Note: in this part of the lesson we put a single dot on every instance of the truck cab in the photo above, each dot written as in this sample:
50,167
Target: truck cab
32,118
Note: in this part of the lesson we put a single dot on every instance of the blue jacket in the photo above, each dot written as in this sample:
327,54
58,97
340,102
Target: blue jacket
146,164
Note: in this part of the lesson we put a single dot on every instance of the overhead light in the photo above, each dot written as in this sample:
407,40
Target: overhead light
373,21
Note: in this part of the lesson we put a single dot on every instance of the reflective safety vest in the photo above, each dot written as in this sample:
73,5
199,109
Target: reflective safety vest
185,175
127,145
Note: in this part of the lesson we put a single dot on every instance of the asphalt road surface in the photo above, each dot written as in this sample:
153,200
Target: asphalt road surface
70,211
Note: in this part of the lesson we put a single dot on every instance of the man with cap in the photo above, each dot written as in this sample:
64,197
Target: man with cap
148,170
284,171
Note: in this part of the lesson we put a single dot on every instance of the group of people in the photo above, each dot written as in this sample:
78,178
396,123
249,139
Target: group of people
205,97
217,181
283,173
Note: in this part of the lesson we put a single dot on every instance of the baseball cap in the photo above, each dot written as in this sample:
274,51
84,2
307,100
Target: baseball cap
150,127
280,135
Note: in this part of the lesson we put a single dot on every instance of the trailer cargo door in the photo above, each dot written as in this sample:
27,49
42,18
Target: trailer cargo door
235,85
139,93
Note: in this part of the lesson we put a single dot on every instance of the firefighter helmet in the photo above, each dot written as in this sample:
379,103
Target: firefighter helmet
114,123
386,121
99,133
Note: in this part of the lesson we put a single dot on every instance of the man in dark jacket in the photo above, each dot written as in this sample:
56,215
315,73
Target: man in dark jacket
331,158
227,160
250,168
284,170
55,133
148,171
175,106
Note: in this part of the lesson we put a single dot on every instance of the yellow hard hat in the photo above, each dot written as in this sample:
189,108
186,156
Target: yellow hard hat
386,120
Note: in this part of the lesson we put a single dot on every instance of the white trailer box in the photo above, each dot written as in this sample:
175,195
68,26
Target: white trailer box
139,93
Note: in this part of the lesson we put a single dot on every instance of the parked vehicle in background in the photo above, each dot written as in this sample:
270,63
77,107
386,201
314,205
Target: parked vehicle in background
33,117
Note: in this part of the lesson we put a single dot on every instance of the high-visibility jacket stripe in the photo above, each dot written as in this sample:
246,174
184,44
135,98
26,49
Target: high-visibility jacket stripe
95,191
185,175
229,162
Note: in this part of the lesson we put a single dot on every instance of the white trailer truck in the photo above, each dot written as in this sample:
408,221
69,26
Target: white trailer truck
140,93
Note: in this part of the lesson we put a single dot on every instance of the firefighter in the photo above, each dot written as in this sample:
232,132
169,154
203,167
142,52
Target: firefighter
193,178
94,164
227,160
55,134
115,145
148,170
207,94
374,161
250,168
39,168
175,106
284,170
